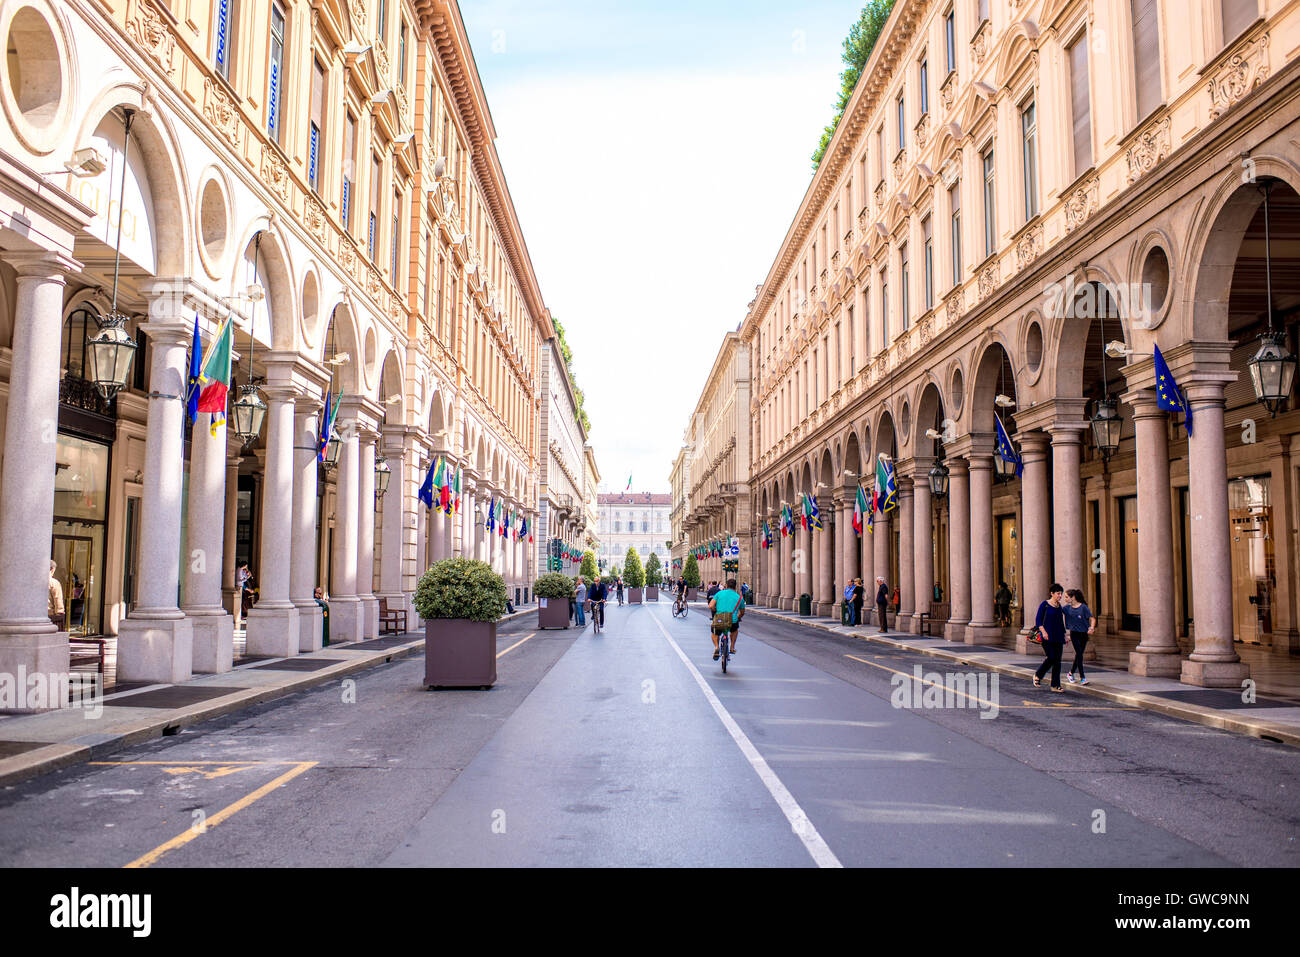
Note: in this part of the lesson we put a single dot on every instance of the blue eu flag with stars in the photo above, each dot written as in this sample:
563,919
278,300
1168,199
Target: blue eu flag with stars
1006,451
1168,396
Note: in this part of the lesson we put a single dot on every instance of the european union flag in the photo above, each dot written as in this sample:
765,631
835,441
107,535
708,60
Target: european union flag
196,373
1168,396
1006,451
426,490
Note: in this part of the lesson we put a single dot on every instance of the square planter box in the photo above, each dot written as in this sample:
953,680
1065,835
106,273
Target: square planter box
459,653
652,593
554,614
692,594
634,596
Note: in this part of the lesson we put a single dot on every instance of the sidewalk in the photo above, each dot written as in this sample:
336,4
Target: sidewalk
32,744
1273,719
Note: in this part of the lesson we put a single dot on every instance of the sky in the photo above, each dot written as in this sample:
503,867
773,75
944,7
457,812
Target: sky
656,154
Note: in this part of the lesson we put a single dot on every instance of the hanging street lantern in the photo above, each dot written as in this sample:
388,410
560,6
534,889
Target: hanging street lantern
1106,426
108,356
1272,371
383,472
248,412
939,480
1004,471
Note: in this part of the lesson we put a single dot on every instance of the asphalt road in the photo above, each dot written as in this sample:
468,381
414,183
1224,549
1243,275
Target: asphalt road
632,748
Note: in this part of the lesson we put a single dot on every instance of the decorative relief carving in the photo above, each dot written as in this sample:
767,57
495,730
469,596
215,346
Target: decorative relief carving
948,91
900,164
980,45
955,306
988,280
1081,203
374,285
381,60
1243,71
880,193
926,329
1151,146
220,111
923,131
357,8
313,215
1029,247
149,28
274,174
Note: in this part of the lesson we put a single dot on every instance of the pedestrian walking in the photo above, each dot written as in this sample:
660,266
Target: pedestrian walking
848,601
619,589
55,602
1002,604
580,599
897,602
859,595
1081,623
319,596
1049,625
882,604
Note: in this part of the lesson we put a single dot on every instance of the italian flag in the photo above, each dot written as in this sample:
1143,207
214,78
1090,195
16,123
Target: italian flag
860,505
629,482
215,377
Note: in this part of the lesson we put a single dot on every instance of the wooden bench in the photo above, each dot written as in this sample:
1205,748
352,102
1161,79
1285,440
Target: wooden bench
92,649
937,615
391,621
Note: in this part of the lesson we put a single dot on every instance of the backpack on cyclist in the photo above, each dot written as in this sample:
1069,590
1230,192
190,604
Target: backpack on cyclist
722,622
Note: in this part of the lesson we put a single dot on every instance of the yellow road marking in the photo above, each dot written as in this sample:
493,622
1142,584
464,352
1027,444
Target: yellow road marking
516,644
990,704
220,772
224,814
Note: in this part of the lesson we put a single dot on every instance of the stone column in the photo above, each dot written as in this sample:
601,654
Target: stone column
28,639
846,565
982,585
866,547
1068,533
155,643
390,565
959,550
303,571
826,577
346,621
922,541
214,628
1036,530
906,561
880,544
1157,653
1213,662
273,621
366,534
788,593
229,599
803,582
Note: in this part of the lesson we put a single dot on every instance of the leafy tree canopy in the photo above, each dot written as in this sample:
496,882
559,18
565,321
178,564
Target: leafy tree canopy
633,572
567,353
653,570
588,568
691,575
857,50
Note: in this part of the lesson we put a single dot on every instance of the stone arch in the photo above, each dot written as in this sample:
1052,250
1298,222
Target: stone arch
264,261
391,382
885,438
341,338
1070,328
1216,242
994,373
929,415
852,461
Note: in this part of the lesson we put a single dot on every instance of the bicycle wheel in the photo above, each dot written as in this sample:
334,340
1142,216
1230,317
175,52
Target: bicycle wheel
724,646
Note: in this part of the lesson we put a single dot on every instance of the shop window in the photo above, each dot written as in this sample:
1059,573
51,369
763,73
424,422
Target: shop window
1250,512
1130,603
78,538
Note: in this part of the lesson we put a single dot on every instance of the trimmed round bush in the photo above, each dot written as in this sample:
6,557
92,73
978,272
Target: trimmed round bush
692,573
460,588
633,573
553,585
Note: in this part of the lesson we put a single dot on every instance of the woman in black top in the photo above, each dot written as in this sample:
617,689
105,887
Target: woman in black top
1050,625
882,605
858,597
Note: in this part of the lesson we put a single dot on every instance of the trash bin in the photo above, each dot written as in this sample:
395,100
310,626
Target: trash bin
805,605
846,613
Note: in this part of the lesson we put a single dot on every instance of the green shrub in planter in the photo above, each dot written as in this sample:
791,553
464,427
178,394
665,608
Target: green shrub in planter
653,570
553,585
460,588
692,573
608,580
633,573
588,569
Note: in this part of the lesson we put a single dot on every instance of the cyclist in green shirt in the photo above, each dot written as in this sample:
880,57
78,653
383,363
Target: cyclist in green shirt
727,600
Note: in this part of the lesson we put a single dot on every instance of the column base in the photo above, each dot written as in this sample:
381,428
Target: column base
1153,664
914,623
27,649
1024,646
311,626
346,622
955,630
978,632
155,650
213,642
370,617
1215,674
272,631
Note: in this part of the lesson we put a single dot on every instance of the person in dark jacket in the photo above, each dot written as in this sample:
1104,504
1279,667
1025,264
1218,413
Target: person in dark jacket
1050,626
1081,623
882,604
859,595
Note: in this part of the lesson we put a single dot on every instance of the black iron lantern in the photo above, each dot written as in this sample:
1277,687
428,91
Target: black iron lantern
1106,426
108,356
1272,371
939,480
1003,470
248,411
383,472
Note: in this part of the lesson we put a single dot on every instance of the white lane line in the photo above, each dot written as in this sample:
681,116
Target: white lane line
821,853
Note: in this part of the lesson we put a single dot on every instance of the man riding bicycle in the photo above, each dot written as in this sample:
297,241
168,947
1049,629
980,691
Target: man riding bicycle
679,598
597,594
727,601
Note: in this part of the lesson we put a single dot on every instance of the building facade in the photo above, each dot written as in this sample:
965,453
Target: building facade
679,482
563,513
1014,186
716,495
633,520
591,508
325,176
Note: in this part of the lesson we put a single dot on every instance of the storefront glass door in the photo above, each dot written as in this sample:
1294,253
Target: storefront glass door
1250,511
77,542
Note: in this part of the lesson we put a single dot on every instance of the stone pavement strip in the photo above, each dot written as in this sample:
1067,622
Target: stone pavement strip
1215,708
33,744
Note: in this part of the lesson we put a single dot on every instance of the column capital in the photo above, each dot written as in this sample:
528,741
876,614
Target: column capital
280,391
42,264
167,333
170,297
1068,432
306,405
956,466
1033,445
1143,403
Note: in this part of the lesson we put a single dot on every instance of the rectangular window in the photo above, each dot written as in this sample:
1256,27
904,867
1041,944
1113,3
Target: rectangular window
441,292
983,10
372,227
853,367
954,204
395,239
1080,107
990,209
924,79
1029,134
349,168
1237,16
401,53
315,125
1146,55
381,19
884,307
223,31
950,39
929,263
903,282
902,118
428,274
880,154
275,79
